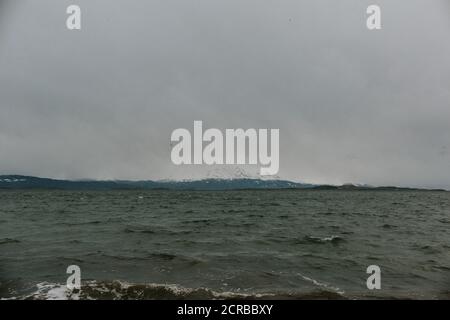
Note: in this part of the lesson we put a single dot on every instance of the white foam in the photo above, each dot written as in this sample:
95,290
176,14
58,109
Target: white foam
53,291
322,284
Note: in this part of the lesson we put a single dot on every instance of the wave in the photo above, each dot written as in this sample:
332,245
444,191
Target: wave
131,230
162,256
332,239
323,285
80,223
121,290
161,231
190,261
8,240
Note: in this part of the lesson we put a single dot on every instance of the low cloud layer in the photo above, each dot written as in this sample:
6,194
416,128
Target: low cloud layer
352,105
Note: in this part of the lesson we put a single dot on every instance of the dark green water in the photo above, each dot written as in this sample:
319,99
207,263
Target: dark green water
219,244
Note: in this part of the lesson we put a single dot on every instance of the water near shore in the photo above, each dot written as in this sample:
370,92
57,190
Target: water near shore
224,244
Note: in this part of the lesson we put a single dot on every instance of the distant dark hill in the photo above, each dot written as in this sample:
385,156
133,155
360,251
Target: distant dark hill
25,182
350,187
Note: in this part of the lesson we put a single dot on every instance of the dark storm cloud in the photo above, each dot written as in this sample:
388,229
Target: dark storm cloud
352,105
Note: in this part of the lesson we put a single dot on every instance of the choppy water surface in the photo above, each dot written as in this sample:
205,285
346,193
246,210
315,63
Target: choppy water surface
221,244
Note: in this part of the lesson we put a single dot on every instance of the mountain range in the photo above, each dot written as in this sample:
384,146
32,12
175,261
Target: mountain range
27,182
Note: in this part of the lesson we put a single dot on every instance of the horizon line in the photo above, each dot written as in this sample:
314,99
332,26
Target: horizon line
279,179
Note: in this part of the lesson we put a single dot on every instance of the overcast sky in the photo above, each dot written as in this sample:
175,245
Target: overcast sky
352,105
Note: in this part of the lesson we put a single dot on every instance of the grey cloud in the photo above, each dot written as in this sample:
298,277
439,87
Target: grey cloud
352,105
